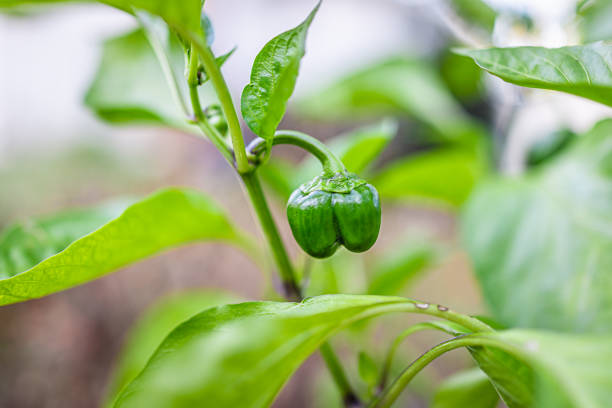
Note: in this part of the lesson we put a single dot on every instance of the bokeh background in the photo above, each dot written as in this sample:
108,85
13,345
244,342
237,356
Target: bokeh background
60,351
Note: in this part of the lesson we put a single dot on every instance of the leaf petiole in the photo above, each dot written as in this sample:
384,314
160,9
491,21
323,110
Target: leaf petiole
330,163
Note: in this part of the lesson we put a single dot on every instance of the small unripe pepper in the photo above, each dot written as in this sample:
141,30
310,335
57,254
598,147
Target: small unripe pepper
330,211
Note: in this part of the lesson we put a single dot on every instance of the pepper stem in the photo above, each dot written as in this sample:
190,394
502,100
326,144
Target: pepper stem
330,163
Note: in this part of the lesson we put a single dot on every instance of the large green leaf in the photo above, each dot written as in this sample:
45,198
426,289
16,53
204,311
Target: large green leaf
241,355
130,86
443,176
584,70
542,244
273,78
153,327
548,370
36,262
470,388
396,86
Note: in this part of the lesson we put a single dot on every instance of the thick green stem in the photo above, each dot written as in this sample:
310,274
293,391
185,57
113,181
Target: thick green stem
285,268
227,105
337,372
330,163
388,397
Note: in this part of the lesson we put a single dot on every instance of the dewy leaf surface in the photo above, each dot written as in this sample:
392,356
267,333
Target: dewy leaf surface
584,70
541,245
163,220
273,78
241,355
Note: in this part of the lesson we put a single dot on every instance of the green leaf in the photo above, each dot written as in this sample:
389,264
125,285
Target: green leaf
153,327
541,245
594,21
251,347
35,262
583,70
392,87
401,265
470,388
443,176
130,86
273,78
548,370
26,243
183,15
368,369
477,12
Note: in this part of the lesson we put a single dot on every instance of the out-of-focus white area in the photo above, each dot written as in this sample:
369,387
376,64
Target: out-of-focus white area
47,61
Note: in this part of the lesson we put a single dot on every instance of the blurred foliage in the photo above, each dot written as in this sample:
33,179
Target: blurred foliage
595,19
153,327
548,147
462,76
130,87
548,370
542,244
470,388
401,265
398,86
477,12
443,176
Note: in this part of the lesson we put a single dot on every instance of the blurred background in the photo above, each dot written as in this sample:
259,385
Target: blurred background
61,351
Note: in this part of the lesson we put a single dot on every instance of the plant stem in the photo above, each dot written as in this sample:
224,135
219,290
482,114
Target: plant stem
330,163
386,369
198,114
227,105
388,397
251,182
285,268
349,397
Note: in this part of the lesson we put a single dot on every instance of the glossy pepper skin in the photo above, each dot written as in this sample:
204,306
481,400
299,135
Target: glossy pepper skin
333,211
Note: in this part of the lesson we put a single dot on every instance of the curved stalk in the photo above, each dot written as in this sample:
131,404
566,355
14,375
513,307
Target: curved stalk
198,114
227,105
386,369
330,163
388,397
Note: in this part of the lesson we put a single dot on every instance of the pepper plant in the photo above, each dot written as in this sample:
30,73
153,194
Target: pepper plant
241,354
